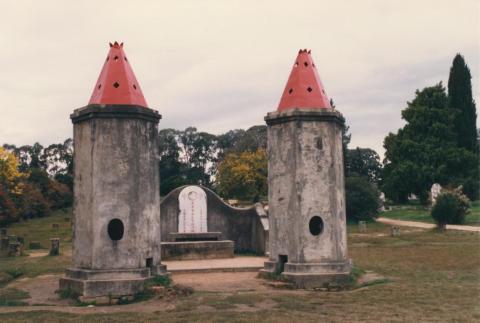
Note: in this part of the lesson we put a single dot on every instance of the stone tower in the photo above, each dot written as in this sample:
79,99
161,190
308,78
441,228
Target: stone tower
308,242
116,238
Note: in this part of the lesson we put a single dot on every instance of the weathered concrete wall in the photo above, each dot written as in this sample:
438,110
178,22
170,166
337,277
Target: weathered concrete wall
191,250
116,177
305,169
242,225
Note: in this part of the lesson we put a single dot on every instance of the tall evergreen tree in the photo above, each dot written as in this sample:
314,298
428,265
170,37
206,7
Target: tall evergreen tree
425,150
460,98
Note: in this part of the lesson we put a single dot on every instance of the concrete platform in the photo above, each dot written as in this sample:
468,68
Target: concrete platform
197,250
310,275
236,264
112,282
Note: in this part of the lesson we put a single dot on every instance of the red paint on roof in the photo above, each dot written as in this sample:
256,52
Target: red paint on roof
117,83
304,88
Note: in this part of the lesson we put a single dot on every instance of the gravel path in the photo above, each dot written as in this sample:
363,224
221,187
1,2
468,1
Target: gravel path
424,225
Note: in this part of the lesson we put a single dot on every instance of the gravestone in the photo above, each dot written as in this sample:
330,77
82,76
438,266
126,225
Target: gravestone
13,249
4,243
54,247
55,226
394,231
3,232
434,192
245,226
362,226
193,210
192,239
382,202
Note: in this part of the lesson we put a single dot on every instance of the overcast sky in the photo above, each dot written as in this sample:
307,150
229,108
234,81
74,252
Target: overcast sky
220,65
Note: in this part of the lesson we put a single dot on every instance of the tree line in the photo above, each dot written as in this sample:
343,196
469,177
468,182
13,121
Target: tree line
438,144
35,180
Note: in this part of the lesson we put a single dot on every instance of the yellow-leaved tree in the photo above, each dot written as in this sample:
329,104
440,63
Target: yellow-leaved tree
243,175
10,177
11,183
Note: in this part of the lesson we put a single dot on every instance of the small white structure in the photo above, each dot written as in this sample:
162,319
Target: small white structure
434,192
382,202
192,217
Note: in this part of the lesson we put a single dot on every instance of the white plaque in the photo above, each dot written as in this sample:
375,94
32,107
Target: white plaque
193,210
434,192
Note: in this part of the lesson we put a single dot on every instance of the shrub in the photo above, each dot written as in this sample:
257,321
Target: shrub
451,208
34,204
59,195
362,199
8,211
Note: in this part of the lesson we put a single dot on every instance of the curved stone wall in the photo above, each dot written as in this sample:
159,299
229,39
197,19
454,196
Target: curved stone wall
247,227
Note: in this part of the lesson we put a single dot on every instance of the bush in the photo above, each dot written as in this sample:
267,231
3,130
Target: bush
59,195
450,208
362,199
8,210
34,204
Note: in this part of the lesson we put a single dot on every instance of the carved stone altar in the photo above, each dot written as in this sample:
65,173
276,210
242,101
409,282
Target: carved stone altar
193,241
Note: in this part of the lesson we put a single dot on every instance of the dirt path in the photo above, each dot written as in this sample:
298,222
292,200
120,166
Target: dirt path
222,282
42,291
424,225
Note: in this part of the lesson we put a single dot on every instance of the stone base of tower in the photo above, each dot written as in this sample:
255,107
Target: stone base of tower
111,282
310,275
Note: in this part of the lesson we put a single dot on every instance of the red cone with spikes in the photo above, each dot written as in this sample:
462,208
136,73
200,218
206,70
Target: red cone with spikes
304,88
117,83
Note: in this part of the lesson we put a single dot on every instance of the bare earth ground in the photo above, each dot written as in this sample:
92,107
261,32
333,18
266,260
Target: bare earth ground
43,297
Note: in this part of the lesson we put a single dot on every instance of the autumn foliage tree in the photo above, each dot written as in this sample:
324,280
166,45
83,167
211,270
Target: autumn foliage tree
10,186
243,175
35,180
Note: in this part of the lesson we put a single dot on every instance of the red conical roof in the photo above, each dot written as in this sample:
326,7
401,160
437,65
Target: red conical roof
304,88
117,83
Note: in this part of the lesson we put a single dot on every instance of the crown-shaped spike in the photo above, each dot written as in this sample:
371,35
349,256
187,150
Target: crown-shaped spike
117,83
304,88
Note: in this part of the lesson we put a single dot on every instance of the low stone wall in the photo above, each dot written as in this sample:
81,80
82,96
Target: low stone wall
191,250
246,227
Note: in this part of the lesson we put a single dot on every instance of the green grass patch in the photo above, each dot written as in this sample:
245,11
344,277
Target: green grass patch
161,280
354,275
67,294
13,297
40,230
420,214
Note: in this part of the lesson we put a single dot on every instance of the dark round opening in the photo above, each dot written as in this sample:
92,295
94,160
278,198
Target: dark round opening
316,225
115,229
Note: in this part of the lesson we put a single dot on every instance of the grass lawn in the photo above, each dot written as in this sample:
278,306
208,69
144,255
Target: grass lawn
39,230
417,213
433,277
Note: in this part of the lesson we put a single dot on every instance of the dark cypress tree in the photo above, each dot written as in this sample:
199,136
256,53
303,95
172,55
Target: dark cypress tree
425,150
460,98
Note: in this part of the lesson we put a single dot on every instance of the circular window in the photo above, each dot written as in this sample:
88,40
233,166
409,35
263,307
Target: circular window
115,229
316,225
